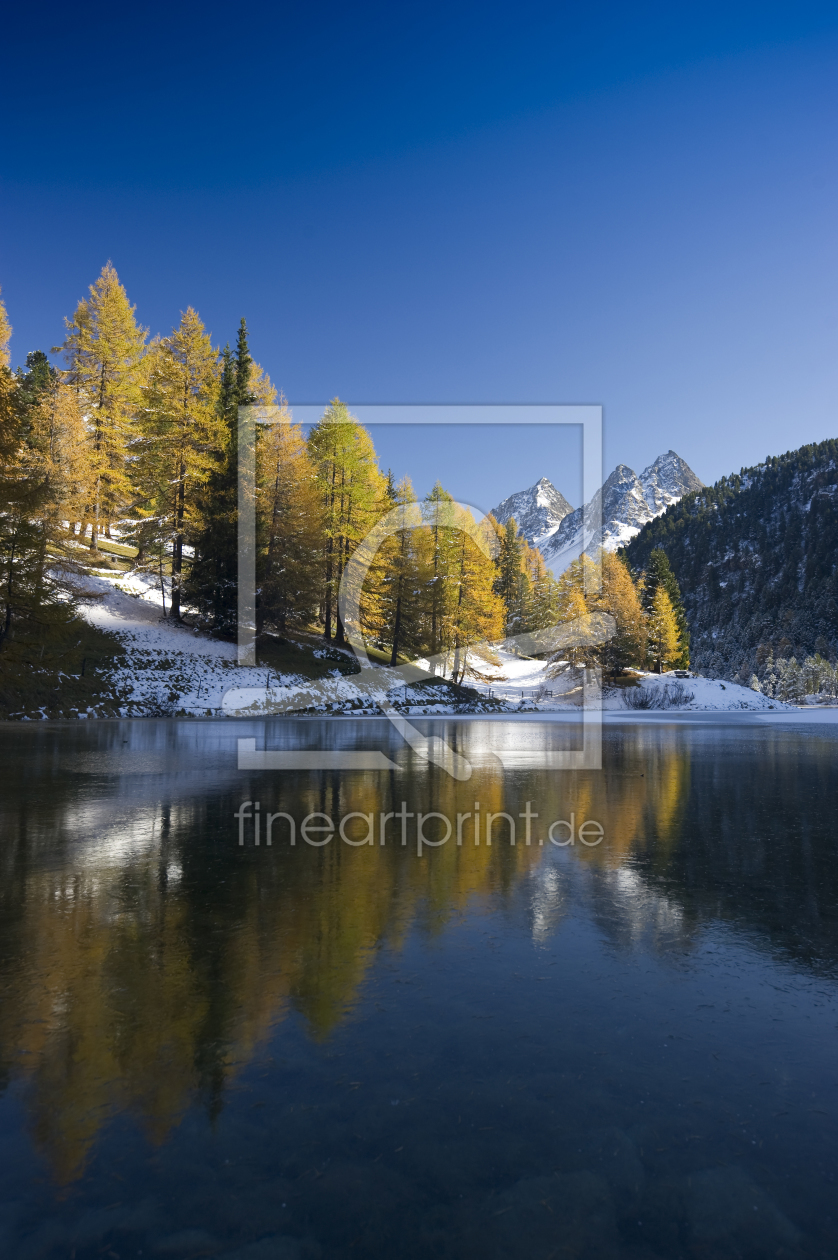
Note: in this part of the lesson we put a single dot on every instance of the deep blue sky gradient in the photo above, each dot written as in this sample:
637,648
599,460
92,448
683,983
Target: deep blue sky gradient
626,204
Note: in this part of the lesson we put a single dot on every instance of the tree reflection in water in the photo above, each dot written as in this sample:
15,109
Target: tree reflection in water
145,955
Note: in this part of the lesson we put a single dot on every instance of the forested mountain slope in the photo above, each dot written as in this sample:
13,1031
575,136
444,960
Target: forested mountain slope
756,557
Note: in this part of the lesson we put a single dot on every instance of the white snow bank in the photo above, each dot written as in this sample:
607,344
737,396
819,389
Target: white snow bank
709,694
130,606
171,668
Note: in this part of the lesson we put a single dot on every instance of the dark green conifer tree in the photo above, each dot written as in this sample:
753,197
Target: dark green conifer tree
212,583
243,364
659,573
512,582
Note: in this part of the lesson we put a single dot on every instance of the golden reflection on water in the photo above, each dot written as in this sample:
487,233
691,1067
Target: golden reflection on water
147,974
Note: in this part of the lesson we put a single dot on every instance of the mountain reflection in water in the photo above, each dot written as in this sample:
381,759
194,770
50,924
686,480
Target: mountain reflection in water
148,960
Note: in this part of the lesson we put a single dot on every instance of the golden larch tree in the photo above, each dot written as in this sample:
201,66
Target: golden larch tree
290,525
352,491
664,640
620,597
104,349
5,335
178,434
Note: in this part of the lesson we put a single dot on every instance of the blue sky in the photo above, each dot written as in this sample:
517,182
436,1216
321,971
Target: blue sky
632,205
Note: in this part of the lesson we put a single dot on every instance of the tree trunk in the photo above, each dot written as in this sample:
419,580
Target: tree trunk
177,550
340,635
397,627
327,620
94,524
327,615
7,620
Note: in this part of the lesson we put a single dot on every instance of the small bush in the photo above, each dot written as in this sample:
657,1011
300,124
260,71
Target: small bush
670,696
641,698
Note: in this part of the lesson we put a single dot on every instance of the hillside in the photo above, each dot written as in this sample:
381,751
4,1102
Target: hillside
755,556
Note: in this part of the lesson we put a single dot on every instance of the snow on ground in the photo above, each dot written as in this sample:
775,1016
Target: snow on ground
709,694
521,673
167,667
130,606
174,669
530,676
170,668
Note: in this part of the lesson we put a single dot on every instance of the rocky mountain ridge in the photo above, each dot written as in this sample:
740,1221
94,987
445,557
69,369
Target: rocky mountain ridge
538,511
627,503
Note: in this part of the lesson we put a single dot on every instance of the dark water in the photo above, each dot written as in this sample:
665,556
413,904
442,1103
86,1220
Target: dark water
625,1050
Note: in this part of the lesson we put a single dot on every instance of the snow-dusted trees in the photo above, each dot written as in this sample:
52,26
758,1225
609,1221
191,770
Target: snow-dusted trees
790,680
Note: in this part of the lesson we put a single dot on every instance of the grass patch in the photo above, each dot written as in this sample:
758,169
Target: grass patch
113,548
305,657
58,671
627,679
312,658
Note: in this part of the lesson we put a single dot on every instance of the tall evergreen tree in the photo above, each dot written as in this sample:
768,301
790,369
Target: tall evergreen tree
541,609
180,431
659,573
243,369
352,494
439,564
212,583
289,528
5,334
512,581
664,640
104,349
399,598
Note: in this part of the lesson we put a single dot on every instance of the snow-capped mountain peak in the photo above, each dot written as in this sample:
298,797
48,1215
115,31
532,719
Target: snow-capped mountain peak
538,511
628,502
666,481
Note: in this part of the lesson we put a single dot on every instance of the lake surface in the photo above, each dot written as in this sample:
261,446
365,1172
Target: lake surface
282,1052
